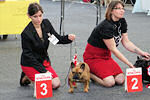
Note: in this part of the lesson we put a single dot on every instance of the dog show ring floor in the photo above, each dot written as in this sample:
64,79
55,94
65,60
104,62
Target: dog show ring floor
79,19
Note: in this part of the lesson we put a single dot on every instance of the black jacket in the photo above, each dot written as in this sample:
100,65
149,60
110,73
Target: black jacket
34,50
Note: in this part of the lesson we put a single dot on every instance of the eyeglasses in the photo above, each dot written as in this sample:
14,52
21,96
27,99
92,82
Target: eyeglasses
119,8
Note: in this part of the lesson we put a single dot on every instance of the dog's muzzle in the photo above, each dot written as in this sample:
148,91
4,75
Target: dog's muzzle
76,76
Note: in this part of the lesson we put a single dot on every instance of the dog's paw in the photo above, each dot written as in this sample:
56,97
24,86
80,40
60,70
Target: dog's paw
86,90
70,90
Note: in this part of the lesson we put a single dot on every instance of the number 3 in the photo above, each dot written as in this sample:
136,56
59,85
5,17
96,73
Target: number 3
135,83
44,88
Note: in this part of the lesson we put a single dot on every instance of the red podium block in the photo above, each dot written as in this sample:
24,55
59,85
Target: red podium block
43,85
133,81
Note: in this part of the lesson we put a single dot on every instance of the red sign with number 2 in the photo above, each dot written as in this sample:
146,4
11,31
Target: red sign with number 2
134,80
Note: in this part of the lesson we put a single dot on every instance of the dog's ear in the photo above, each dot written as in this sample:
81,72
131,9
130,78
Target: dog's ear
72,65
138,57
82,66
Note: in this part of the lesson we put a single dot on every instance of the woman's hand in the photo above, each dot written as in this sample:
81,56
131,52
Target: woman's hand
48,72
131,65
71,37
146,55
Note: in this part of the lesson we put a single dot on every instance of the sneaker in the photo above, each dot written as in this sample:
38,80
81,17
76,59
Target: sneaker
26,82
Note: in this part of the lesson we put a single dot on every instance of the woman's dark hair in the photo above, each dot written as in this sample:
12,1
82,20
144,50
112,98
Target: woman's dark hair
110,7
34,8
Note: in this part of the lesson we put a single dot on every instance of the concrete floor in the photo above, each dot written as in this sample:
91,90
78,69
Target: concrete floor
80,19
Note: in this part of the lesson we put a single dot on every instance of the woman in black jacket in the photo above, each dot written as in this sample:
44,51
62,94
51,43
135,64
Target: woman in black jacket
35,42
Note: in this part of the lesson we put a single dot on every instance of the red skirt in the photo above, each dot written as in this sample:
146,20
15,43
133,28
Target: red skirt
30,71
100,62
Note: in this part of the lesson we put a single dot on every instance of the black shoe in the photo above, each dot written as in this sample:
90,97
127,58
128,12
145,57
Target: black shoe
5,36
93,80
26,82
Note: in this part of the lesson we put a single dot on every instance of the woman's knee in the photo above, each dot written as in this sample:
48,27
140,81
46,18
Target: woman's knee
119,79
109,81
55,83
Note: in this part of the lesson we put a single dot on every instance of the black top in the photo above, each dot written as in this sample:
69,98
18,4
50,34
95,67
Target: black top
107,30
34,48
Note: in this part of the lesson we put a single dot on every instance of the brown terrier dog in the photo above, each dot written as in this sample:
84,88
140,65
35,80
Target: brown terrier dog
79,73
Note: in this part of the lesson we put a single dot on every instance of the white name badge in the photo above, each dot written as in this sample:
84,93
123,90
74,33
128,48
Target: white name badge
53,39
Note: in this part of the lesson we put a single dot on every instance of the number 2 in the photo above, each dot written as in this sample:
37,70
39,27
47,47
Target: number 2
135,83
44,88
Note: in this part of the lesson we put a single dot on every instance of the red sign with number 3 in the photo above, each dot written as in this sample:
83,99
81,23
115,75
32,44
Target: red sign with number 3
43,85
134,80
43,89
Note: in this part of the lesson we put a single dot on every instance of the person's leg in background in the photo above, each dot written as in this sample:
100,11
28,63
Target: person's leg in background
5,36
